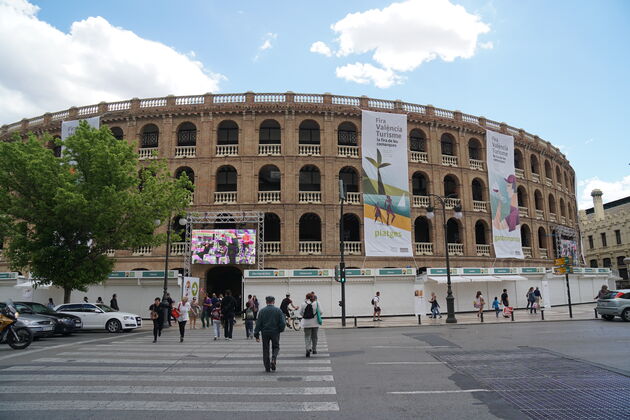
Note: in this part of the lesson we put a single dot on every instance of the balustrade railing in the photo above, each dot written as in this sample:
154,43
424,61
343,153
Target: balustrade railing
270,97
227,149
448,160
142,250
552,217
563,220
346,100
523,212
535,177
483,250
456,249
353,198
185,151
543,253
348,151
269,149
310,247
520,173
527,251
309,197
540,215
480,205
423,248
228,98
420,157
225,197
119,106
109,253
178,248
309,99
420,201
476,164
190,100
271,247
147,153
352,248
309,150
451,203
152,103
548,182
268,196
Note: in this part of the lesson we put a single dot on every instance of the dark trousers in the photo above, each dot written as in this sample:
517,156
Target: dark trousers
228,325
157,328
182,328
274,339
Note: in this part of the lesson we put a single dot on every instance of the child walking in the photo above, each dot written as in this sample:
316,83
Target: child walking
495,305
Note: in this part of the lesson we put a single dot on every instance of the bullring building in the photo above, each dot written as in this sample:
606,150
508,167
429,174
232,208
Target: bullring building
283,155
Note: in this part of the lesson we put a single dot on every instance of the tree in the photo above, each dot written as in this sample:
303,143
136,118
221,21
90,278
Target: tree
61,215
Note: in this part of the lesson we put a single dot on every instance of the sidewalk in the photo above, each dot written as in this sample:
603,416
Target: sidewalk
559,313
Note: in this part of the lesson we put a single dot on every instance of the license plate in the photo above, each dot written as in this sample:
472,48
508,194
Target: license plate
47,328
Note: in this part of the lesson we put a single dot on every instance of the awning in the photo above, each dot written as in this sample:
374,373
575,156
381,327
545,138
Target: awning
30,285
512,278
484,278
475,279
454,279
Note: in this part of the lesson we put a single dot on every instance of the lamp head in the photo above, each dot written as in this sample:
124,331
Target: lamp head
430,212
458,212
183,221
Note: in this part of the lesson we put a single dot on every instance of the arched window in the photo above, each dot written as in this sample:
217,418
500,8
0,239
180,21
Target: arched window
309,132
474,149
534,164
548,171
269,132
227,133
187,134
593,263
351,228
480,233
552,204
310,179
185,170
620,262
422,230
478,190
350,178
607,263
558,176
450,185
518,159
149,136
226,179
542,238
538,198
417,140
453,234
448,144
563,210
521,192
419,184
310,228
56,146
570,211
347,134
269,178
117,133
272,228
526,236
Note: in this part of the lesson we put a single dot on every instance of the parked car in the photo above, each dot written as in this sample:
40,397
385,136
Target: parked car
616,303
96,316
66,323
40,325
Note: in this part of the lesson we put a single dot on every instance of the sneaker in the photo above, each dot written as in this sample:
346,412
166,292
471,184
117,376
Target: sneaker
314,351
267,370
273,364
226,339
215,339
308,353
155,341
181,339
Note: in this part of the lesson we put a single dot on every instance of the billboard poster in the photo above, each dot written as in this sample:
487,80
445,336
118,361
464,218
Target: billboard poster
69,127
224,246
191,288
386,207
506,224
568,248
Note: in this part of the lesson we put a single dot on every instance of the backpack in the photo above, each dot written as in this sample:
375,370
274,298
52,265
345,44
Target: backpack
249,314
372,301
308,312
216,313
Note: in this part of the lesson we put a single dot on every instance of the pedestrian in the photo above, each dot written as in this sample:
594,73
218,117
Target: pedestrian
50,304
286,304
205,311
435,306
85,299
496,305
215,318
256,307
505,300
228,310
376,303
311,314
170,302
270,323
479,303
530,300
113,303
537,299
99,300
194,313
602,294
249,319
157,316
183,308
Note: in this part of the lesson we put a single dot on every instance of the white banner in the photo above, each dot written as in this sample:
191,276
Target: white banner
191,288
506,225
69,127
386,209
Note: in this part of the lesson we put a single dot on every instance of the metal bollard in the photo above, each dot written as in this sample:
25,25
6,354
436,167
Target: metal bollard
355,322
595,309
481,316
512,313
542,314
419,320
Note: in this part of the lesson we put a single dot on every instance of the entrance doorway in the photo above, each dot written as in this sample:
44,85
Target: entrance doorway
221,278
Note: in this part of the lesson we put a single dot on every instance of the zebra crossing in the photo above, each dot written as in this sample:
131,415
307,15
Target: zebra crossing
196,377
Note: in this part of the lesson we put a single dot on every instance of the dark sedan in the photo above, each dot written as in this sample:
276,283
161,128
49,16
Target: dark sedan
66,323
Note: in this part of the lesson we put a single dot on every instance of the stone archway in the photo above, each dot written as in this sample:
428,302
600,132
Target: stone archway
224,277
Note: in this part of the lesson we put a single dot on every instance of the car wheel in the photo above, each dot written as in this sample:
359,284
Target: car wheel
113,326
608,317
625,315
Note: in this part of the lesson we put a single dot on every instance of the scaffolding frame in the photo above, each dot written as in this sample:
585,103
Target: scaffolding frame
237,218
569,233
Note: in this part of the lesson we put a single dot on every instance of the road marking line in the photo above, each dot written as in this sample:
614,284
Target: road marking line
193,361
152,369
161,406
28,377
411,347
196,355
406,363
455,391
181,390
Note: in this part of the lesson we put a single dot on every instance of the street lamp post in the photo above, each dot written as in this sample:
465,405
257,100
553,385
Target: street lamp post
450,299
182,221
342,263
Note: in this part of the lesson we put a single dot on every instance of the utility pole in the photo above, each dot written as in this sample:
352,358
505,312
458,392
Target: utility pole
342,263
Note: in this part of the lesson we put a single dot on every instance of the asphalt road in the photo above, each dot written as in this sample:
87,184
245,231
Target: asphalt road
511,371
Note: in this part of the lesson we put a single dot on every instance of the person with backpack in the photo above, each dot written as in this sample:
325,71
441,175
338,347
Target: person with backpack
270,323
311,314
228,310
250,317
215,319
376,303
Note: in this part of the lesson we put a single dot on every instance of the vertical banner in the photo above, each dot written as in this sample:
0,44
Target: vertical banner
506,225
191,288
386,209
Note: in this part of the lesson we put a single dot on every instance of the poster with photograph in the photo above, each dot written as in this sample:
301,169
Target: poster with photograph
224,246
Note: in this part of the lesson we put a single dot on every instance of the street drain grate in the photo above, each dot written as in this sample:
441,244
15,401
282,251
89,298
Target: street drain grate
544,385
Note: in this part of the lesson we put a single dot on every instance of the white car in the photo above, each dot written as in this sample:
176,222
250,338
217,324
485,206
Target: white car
97,316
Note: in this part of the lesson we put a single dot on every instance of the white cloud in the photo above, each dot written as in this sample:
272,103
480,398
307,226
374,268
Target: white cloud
366,73
266,45
486,45
320,47
589,141
613,190
44,69
404,35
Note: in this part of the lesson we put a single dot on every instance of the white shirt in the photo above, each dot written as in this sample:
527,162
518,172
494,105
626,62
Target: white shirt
376,301
310,323
183,311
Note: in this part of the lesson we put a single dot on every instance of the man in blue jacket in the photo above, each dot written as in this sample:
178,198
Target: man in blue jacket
270,323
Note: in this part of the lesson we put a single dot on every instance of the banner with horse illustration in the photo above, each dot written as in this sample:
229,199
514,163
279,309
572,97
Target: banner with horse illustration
386,207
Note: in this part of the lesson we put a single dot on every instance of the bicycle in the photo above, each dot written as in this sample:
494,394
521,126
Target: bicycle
293,320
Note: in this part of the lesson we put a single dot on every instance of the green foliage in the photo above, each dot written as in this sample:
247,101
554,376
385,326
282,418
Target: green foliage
60,215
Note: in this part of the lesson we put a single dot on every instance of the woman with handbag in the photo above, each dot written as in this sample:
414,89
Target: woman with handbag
311,314
157,316
181,313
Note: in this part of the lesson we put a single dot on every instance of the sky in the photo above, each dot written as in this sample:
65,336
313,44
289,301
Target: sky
558,69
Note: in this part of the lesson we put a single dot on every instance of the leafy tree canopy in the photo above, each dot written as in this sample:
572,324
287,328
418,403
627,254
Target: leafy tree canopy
59,216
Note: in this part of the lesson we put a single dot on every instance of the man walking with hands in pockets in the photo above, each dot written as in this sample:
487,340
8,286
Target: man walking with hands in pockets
270,323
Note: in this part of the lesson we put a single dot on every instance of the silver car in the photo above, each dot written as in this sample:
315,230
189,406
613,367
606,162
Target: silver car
41,326
616,303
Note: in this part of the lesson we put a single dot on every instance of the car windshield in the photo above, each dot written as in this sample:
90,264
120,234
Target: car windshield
38,308
105,308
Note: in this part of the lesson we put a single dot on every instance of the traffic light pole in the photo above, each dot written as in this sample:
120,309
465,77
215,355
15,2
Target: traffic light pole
342,268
